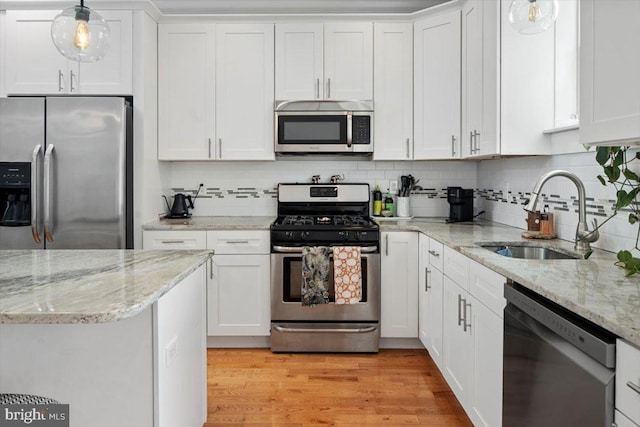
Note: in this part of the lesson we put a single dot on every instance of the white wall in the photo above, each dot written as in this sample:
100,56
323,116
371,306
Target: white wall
519,175
248,188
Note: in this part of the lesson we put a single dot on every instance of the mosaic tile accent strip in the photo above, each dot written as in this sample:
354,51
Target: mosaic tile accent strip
231,193
595,207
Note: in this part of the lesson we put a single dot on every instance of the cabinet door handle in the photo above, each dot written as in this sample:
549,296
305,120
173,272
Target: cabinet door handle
211,268
453,145
317,88
466,325
386,244
476,134
470,142
426,279
60,78
407,148
459,310
220,148
209,147
71,77
633,387
329,88
435,254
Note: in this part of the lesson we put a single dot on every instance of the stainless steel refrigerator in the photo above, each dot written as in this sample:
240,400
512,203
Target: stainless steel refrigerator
66,173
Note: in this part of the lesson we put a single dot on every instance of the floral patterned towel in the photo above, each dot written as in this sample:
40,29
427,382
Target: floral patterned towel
347,274
315,275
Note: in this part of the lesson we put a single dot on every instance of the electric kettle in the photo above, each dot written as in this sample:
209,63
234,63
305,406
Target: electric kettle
181,205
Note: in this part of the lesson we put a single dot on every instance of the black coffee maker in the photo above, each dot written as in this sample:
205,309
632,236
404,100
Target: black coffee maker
460,204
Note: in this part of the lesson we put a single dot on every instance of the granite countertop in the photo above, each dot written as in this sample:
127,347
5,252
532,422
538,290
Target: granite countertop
88,286
212,223
593,288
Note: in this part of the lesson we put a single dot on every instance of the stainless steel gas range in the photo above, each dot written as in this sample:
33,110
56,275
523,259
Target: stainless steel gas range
323,216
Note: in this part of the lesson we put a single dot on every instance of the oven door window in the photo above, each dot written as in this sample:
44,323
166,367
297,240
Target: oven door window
303,129
292,280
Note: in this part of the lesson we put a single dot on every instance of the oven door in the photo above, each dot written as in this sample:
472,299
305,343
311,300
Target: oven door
286,291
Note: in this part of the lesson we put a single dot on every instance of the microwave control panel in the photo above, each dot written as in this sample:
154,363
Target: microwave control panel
361,129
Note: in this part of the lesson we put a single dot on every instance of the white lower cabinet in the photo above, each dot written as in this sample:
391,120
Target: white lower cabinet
238,277
238,296
238,287
627,384
430,301
399,285
462,328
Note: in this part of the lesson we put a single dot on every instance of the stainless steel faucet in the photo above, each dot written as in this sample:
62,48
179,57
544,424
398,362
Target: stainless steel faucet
583,235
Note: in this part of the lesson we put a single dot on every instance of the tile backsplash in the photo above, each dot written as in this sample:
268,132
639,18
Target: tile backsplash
249,188
502,186
505,184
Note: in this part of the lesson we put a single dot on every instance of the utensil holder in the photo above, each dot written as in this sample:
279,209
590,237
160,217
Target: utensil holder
403,207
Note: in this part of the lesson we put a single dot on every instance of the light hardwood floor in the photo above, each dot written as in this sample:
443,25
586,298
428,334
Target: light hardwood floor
256,387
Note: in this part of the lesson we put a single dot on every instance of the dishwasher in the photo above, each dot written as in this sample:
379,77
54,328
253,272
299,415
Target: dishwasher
559,368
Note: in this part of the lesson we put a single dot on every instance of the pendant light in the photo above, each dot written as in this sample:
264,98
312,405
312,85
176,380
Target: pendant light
533,16
81,34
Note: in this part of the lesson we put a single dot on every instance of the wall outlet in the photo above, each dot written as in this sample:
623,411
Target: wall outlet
393,186
170,351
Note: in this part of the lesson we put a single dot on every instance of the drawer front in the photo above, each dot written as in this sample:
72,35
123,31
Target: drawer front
436,254
487,286
174,240
232,242
622,421
628,380
456,267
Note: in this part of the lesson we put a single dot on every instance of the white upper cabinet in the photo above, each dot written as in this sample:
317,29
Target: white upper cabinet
215,92
34,65
244,91
437,87
324,61
609,70
186,91
299,61
393,88
507,84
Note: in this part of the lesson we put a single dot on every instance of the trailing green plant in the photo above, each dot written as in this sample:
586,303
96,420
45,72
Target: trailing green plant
615,163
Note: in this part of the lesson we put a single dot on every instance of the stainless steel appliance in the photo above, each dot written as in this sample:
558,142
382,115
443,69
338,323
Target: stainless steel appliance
323,215
558,367
327,127
66,173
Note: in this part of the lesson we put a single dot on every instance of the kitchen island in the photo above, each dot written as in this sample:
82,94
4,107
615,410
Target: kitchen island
119,335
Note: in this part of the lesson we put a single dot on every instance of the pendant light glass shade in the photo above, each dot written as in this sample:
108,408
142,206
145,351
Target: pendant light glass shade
531,16
81,34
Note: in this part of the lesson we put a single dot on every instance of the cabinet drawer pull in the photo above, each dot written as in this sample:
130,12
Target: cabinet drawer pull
435,254
633,387
237,242
466,325
172,242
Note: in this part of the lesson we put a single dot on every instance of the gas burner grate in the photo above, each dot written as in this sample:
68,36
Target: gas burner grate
297,220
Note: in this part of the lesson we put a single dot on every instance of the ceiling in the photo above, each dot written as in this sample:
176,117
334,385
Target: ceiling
293,6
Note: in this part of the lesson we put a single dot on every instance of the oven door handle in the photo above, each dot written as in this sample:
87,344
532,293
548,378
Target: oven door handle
326,330
297,249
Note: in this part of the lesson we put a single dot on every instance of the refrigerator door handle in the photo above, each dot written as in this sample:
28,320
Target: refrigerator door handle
35,192
48,232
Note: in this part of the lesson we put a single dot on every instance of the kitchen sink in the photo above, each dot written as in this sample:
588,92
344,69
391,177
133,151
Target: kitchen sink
528,250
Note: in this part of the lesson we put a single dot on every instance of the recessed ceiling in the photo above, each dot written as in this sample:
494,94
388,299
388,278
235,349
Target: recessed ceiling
293,6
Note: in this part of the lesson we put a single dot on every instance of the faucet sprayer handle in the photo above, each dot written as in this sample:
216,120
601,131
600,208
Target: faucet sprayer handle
595,234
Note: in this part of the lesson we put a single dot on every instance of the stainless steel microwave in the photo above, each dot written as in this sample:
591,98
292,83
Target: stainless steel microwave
328,127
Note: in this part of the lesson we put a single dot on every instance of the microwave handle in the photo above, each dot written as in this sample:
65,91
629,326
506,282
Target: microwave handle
349,129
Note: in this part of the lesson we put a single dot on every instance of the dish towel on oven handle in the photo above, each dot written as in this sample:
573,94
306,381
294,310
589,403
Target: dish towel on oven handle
347,274
315,275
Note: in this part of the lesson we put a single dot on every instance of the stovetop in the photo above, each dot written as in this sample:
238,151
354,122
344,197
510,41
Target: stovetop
325,221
